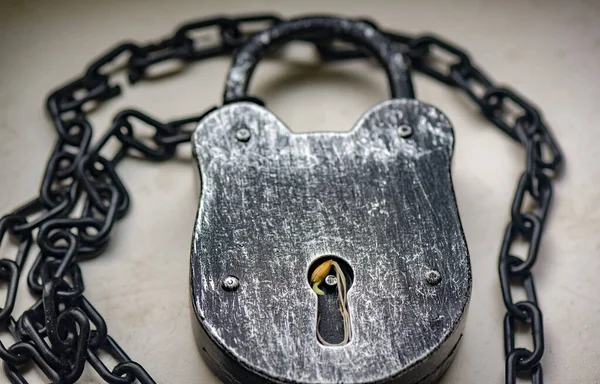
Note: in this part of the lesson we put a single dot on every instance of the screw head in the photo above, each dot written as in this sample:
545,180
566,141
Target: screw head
331,280
231,283
433,277
405,131
243,134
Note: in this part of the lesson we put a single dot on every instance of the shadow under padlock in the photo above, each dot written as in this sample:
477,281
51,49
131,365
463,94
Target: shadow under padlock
376,202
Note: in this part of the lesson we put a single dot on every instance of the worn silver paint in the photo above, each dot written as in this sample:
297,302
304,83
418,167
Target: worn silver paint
271,206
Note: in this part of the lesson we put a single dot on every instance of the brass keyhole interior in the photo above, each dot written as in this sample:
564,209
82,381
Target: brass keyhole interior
331,278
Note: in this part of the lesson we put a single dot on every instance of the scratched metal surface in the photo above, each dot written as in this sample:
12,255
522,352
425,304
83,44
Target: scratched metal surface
272,205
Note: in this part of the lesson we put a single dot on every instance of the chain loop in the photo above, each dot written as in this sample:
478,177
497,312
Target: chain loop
530,359
9,273
428,60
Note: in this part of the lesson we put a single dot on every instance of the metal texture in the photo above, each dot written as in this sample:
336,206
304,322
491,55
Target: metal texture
81,174
382,203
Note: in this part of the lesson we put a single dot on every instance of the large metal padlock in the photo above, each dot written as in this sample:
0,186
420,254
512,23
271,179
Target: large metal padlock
327,257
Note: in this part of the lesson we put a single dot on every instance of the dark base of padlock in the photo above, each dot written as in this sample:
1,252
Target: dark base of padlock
232,371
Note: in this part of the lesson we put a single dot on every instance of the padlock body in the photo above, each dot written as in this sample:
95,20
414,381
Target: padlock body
273,202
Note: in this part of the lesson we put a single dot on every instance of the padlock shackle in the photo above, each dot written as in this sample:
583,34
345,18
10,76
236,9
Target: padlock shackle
357,32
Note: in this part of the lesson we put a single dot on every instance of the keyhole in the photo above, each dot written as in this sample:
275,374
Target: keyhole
331,278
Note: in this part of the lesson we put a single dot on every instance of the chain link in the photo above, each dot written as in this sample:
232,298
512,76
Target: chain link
62,330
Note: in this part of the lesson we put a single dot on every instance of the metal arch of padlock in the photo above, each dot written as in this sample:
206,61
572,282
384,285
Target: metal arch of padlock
376,201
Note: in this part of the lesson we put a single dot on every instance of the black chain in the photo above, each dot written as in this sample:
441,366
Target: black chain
62,330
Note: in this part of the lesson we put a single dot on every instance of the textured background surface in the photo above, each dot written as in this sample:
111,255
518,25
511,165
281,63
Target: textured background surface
548,50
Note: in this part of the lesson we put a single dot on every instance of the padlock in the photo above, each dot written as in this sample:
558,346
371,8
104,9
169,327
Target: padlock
327,257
